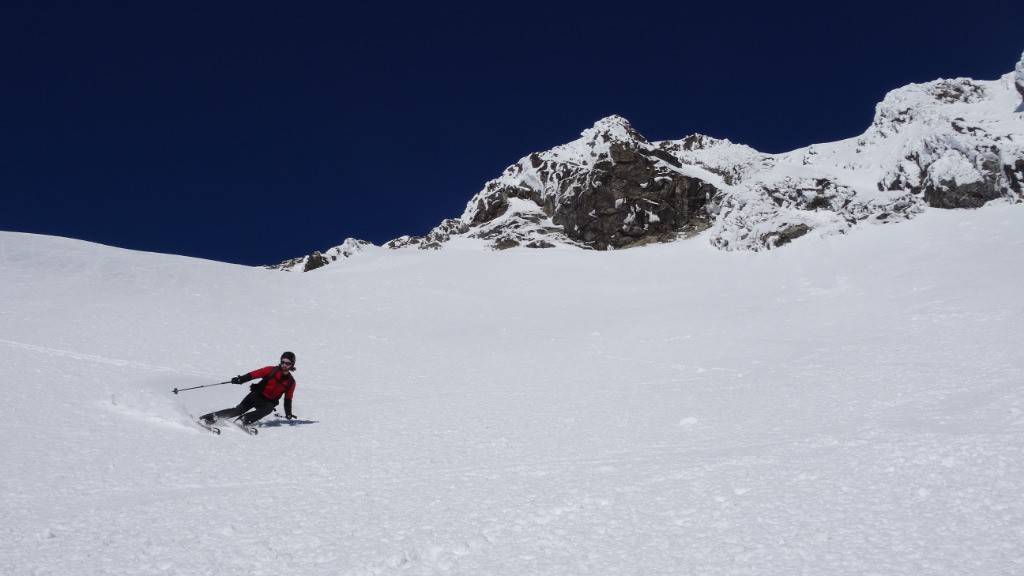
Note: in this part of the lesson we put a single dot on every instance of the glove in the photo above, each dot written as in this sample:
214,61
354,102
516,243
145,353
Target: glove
290,416
241,378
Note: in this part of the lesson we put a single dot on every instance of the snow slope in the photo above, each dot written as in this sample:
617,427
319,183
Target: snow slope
849,405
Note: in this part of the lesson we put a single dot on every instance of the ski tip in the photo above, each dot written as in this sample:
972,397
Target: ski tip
209,427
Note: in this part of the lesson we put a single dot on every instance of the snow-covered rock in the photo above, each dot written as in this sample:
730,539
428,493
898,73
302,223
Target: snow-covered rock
955,143
350,247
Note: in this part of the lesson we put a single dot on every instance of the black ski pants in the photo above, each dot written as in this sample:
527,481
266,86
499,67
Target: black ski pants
258,403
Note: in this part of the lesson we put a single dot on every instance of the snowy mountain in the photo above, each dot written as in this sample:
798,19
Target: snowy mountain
841,407
944,144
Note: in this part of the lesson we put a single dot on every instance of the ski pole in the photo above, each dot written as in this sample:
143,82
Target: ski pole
176,390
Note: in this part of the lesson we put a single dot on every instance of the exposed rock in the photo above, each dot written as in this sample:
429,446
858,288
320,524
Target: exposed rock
610,189
404,242
315,260
632,198
443,233
786,235
1015,176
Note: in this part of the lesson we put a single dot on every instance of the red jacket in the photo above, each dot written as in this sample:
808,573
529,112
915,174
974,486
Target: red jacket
281,383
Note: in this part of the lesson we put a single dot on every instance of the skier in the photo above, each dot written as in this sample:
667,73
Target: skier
264,395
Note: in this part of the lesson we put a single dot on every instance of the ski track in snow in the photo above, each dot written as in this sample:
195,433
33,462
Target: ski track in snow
98,359
850,405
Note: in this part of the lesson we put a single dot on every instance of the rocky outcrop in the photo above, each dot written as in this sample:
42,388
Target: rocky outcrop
632,198
317,260
610,189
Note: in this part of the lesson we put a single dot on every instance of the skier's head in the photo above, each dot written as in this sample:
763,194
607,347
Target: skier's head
288,357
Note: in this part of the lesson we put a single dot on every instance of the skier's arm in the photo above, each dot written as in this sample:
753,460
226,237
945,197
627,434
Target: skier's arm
258,373
288,409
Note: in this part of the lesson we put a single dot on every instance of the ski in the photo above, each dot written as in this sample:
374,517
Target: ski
209,427
251,430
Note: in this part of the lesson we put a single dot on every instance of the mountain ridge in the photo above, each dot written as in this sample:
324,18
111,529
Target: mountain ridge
948,143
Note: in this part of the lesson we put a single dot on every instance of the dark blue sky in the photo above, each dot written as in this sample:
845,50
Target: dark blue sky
252,131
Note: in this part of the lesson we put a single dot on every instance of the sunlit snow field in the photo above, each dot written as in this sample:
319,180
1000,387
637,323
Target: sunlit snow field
841,406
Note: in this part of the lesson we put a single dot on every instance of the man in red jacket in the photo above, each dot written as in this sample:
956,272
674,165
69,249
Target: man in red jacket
263,397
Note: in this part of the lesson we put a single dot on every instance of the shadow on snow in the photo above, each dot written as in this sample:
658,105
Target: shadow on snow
283,422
